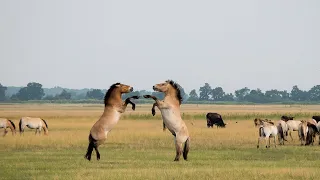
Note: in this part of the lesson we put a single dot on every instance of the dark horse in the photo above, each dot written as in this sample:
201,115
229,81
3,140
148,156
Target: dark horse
286,118
214,119
317,118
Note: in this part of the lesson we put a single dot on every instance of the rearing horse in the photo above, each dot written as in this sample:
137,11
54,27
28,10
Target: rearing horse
170,111
6,123
114,107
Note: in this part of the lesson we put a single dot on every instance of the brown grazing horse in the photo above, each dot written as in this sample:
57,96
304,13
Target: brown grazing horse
170,111
114,107
6,123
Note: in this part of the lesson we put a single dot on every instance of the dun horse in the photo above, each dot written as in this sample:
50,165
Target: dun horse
267,130
293,125
170,111
6,123
114,107
33,123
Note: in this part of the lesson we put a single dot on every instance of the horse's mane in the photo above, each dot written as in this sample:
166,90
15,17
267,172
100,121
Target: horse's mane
14,126
176,86
45,123
108,93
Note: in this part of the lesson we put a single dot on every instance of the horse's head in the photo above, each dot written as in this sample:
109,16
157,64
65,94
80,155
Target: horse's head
169,86
257,122
161,87
124,88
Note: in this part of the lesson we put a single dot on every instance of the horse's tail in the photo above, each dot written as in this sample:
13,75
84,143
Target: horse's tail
13,125
20,125
45,123
90,148
186,149
261,133
281,133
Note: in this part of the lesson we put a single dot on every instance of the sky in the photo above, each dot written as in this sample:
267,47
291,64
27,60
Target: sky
92,44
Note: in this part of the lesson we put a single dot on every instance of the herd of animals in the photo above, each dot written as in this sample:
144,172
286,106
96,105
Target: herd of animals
171,116
307,130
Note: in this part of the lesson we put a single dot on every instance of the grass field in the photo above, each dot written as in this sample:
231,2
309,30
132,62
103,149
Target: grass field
137,148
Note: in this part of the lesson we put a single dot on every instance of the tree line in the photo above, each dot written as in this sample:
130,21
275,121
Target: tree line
35,91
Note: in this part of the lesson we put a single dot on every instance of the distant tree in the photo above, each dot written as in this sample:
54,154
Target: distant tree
2,92
255,96
284,95
95,94
314,93
217,94
33,91
63,95
298,95
205,92
228,97
242,93
193,96
273,95
22,95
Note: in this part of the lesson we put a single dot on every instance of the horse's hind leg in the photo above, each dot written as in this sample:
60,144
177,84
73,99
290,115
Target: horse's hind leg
97,152
259,138
274,141
178,151
290,135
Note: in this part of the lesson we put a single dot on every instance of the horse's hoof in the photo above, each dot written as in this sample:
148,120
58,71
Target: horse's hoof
257,147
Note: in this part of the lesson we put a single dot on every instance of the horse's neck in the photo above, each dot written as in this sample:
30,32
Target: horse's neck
171,98
114,99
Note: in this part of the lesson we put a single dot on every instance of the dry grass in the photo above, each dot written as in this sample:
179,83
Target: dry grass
139,149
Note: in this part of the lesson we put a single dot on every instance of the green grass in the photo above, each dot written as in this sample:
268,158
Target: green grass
126,163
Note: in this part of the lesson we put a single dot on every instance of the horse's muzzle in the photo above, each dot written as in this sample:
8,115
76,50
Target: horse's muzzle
131,89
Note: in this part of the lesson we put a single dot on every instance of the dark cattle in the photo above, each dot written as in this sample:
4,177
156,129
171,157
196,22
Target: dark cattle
286,118
214,119
317,118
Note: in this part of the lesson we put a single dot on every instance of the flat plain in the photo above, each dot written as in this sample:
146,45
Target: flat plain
137,148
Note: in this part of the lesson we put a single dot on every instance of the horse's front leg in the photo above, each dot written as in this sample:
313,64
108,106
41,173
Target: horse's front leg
5,132
128,101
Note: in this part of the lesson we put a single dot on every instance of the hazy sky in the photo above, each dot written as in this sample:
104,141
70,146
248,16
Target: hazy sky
92,44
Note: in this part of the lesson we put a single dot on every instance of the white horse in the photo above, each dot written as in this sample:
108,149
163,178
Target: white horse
293,125
282,131
33,123
6,123
266,131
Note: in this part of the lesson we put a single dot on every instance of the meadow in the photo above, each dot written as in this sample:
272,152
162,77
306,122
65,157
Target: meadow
137,148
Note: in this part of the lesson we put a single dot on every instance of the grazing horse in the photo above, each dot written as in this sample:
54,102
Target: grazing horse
6,123
214,119
170,111
266,131
114,107
33,123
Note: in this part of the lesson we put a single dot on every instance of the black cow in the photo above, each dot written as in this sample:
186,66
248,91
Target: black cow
317,118
215,119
